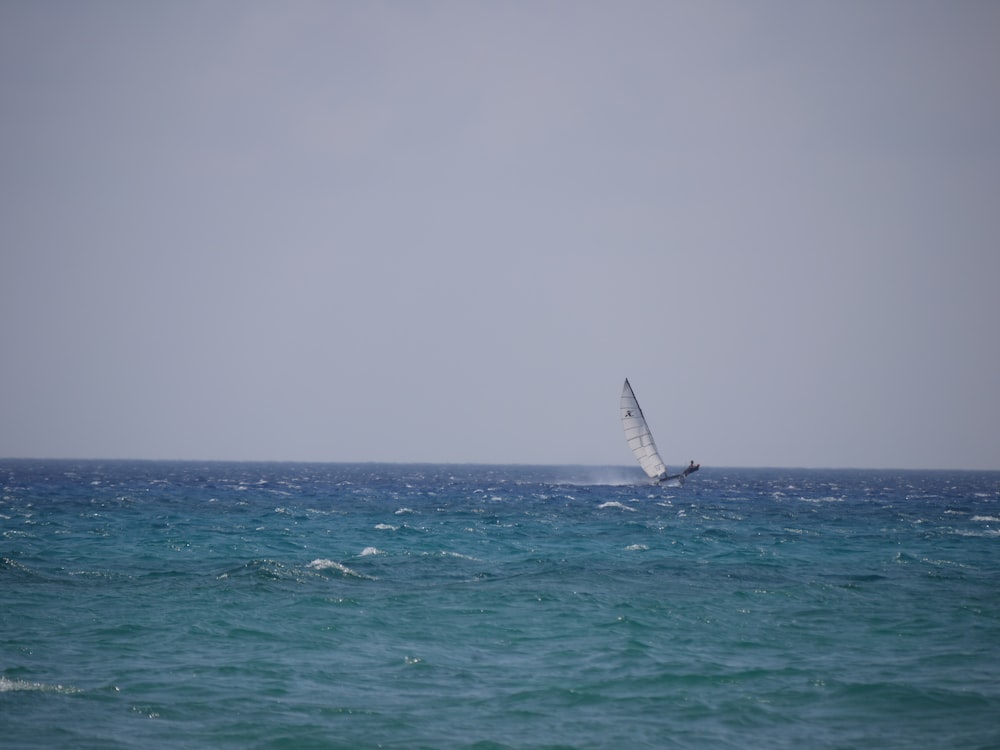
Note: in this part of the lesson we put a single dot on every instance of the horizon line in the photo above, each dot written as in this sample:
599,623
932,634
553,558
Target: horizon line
375,462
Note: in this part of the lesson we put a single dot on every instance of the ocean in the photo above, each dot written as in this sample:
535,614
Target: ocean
256,605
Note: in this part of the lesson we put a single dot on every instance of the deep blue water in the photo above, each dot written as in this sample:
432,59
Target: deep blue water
241,605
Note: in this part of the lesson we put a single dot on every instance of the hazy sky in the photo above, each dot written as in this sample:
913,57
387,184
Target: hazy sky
447,231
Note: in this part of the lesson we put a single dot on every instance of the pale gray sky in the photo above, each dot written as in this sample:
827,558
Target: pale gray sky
447,231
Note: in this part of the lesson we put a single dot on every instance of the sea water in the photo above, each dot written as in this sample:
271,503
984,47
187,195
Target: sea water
244,605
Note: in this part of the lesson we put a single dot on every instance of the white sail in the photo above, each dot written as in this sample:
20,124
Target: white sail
640,439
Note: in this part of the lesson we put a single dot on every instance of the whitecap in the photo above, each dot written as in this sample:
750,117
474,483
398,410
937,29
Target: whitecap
637,547
616,504
371,551
386,527
322,564
986,519
460,556
986,533
10,686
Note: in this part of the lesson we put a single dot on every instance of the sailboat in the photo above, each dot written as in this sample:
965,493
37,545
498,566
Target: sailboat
640,441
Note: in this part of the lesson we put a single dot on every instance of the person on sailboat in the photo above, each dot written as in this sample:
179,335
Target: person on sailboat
691,469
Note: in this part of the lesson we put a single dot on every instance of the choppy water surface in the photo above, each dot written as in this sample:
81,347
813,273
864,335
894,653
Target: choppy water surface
236,605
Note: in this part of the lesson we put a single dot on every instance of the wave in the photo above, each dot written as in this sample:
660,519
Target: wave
323,564
616,504
273,571
11,686
460,556
7,565
270,570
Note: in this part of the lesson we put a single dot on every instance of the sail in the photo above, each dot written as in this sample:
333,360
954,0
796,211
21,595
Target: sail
640,439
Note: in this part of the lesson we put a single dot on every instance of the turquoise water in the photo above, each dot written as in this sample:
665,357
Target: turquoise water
238,605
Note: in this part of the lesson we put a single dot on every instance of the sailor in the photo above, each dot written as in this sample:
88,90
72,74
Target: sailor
692,467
